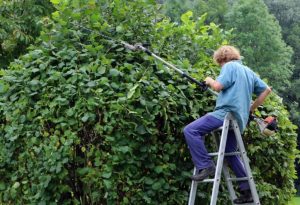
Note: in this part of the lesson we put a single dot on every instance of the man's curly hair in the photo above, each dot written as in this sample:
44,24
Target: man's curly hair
226,53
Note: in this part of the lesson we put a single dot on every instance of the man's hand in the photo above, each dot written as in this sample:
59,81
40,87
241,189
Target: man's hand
209,81
215,85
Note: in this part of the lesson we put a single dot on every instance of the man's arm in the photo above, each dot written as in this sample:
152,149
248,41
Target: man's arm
215,85
260,99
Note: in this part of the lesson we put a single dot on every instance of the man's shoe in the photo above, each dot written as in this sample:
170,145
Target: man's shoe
245,197
204,173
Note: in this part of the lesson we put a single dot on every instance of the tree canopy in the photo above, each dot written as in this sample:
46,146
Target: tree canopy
258,34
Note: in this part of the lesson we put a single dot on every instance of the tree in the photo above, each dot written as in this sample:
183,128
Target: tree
19,26
258,34
215,9
287,13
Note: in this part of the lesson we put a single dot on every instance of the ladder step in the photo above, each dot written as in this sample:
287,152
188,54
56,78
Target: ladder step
238,179
247,204
221,129
206,181
229,179
213,154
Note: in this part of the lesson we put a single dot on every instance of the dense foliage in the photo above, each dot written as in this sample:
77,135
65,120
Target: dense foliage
215,9
85,121
19,26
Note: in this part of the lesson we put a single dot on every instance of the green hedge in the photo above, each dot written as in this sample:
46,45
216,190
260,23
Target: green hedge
85,121
19,26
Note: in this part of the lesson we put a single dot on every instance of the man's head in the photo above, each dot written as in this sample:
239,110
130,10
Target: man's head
225,54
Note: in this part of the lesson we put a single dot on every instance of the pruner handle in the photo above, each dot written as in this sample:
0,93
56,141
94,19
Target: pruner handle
201,85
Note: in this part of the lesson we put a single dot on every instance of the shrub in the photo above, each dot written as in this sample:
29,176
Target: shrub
85,121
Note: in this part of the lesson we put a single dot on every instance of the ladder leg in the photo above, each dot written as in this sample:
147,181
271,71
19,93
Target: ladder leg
226,172
217,179
229,183
193,190
246,163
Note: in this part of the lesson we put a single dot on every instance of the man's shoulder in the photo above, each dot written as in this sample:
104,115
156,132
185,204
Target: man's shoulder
233,64
239,66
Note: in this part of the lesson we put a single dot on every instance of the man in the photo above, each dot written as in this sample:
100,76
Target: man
235,84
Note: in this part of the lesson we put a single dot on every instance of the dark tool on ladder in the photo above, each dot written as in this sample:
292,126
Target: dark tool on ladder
267,126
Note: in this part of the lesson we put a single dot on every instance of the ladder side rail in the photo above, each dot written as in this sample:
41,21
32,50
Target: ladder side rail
225,171
246,161
193,190
217,178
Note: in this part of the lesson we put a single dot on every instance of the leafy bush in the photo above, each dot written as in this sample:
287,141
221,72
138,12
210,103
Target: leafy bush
85,121
19,26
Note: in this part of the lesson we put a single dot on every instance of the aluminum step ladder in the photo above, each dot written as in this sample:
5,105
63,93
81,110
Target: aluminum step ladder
229,123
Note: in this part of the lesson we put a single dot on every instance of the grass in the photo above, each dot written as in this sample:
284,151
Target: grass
295,201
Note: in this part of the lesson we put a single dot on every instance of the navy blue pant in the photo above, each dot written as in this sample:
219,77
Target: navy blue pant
194,135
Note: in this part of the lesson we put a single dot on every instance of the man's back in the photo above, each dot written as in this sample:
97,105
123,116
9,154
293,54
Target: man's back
239,83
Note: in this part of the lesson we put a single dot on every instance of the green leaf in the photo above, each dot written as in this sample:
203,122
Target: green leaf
16,185
85,117
3,86
158,169
185,18
106,175
132,91
119,28
2,186
149,181
101,70
91,84
157,185
107,184
55,2
56,15
124,149
114,72
141,130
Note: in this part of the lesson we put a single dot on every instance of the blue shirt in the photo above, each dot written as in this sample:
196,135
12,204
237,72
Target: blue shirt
239,83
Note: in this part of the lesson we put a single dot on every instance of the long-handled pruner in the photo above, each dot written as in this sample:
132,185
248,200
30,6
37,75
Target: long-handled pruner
136,47
140,46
